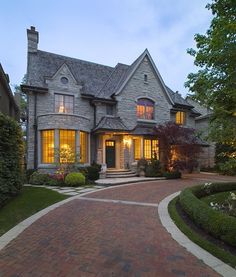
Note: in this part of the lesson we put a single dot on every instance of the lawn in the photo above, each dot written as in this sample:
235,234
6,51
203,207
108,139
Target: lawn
28,202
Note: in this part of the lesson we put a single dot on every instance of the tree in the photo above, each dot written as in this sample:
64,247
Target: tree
179,146
214,85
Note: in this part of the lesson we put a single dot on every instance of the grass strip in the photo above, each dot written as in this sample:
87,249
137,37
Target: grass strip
30,201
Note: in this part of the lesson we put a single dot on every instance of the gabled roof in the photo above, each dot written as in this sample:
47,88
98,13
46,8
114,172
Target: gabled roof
91,75
110,123
178,99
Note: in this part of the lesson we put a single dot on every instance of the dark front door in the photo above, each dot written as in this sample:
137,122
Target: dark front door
110,154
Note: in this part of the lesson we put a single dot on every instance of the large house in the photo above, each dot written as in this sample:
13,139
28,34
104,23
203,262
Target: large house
96,112
8,103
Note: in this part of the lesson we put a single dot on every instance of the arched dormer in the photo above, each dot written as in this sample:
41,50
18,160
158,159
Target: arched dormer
145,108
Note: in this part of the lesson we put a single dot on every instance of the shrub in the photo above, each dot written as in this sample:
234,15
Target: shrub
11,158
172,175
228,167
153,169
75,179
216,223
93,172
39,179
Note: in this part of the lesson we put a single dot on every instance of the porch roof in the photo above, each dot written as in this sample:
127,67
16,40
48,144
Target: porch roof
142,129
110,123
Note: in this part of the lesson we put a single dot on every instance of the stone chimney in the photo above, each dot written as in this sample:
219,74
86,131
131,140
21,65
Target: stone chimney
33,39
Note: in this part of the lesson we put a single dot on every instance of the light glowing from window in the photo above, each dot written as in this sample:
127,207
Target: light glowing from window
67,146
137,149
47,144
145,109
151,149
64,103
83,147
180,118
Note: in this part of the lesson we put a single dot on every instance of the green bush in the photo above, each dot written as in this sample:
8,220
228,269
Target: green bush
11,158
172,175
228,167
28,173
39,179
93,173
75,179
153,169
214,222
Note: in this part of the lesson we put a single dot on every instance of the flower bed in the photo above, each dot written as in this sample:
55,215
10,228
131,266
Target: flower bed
217,224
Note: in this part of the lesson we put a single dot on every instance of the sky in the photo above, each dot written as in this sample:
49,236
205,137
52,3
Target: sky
105,32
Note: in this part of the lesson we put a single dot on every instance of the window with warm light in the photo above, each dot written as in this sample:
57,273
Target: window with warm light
64,103
47,144
83,147
151,149
67,146
180,118
137,149
145,109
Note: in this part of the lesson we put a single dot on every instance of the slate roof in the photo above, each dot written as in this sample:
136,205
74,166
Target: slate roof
111,123
97,80
92,75
141,129
177,98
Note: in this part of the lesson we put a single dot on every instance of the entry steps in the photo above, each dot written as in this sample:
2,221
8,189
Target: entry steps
120,173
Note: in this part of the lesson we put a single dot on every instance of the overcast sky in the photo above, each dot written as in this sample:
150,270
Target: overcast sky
106,32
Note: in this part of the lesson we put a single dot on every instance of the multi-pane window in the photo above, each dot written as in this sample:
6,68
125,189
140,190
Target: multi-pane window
83,147
137,149
47,144
67,146
151,149
145,109
180,118
64,103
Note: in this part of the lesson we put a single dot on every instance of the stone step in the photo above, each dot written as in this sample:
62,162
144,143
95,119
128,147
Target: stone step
131,174
120,173
118,170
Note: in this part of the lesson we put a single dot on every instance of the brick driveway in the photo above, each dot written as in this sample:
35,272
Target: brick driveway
95,238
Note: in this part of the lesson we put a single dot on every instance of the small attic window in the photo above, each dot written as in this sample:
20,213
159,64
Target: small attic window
64,80
145,78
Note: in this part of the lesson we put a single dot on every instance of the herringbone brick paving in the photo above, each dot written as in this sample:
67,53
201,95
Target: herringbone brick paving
87,238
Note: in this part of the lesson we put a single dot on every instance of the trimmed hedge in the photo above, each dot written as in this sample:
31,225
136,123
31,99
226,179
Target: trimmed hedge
217,224
172,175
75,179
11,156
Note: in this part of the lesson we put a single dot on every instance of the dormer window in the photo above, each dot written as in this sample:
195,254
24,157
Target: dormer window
64,80
180,118
145,109
110,110
145,78
64,103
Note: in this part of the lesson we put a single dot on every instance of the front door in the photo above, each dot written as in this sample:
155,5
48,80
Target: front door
110,154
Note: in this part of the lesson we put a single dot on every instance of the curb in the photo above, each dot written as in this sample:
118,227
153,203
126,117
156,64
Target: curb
213,262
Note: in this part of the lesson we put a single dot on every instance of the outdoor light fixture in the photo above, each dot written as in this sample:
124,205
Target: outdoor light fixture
127,141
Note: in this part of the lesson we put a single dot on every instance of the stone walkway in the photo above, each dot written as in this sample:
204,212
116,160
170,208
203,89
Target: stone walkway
111,232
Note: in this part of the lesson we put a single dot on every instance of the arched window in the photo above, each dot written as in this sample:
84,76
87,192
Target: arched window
145,108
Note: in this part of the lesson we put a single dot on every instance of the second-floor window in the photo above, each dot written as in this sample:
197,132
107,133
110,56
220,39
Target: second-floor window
64,103
180,118
145,109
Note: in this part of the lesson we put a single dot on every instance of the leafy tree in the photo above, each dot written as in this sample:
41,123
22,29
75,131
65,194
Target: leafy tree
214,85
179,146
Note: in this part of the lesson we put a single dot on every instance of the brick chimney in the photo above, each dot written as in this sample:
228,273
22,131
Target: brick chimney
33,39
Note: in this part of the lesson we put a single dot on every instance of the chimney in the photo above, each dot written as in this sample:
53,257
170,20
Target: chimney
33,39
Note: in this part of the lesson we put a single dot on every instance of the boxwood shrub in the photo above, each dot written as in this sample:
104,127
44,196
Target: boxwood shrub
11,158
217,224
75,179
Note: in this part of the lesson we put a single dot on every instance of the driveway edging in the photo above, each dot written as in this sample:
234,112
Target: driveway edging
210,260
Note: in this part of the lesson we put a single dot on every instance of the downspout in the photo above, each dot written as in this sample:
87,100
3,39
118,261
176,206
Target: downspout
35,133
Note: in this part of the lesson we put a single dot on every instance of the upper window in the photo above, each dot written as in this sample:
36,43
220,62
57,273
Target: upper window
64,80
109,110
180,118
145,78
145,109
64,103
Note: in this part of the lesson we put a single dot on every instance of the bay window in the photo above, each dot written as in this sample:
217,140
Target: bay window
47,146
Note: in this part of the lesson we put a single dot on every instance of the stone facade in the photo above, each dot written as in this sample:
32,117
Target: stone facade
104,103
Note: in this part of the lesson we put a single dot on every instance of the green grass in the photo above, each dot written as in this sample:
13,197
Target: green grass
28,202
219,197
196,238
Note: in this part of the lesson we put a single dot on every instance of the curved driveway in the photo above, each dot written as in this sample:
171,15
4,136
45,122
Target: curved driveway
96,236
